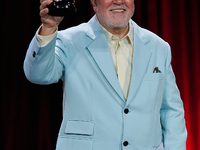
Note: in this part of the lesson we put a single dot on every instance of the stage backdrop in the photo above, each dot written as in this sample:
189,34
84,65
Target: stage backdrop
31,114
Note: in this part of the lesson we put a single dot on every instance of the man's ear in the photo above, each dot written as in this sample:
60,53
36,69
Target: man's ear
94,4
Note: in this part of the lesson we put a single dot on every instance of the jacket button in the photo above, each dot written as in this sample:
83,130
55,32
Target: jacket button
125,143
126,111
34,53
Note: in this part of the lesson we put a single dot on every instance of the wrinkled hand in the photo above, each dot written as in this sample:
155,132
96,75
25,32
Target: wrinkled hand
49,23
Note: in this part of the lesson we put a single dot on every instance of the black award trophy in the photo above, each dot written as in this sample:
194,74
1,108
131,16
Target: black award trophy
61,8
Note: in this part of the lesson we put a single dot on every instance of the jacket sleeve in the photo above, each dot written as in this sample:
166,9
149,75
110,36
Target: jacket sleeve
172,112
42,65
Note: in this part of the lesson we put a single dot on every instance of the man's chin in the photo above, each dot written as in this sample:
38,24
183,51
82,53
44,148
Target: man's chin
120,24
112,22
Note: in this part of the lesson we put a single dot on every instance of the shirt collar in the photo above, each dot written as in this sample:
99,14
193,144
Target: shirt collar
109,36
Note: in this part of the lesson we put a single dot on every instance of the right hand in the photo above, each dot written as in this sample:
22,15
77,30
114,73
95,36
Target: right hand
49,23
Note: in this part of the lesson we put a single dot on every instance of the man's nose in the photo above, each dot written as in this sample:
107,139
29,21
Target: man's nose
118,1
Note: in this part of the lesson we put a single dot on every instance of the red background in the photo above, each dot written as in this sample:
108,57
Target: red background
31,114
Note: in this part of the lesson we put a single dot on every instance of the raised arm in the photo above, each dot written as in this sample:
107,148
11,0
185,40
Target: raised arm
42,64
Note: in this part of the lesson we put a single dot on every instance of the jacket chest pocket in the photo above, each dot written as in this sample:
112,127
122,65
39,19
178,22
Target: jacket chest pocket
154,77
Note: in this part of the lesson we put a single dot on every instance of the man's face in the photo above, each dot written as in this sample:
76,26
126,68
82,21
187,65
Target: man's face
113,13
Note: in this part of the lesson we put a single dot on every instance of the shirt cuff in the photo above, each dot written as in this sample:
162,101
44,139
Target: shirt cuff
44,40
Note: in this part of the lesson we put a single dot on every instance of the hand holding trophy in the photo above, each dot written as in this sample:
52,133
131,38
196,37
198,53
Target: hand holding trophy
61,7
52,13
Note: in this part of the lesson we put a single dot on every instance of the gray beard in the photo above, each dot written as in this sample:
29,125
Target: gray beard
108,23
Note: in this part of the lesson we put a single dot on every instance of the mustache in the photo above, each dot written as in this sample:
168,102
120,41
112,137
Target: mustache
118,7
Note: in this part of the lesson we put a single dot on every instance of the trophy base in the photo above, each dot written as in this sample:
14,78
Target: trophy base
61,9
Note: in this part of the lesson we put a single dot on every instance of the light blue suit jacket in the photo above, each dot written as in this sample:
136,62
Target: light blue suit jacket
93,102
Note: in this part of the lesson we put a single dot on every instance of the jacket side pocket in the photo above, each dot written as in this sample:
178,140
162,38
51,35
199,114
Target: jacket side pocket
79,128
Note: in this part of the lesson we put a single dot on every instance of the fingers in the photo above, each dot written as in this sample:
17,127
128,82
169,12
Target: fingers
43,7
44,12
44,4
49,23
45,0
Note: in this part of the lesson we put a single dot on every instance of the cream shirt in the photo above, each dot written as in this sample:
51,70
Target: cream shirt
121,51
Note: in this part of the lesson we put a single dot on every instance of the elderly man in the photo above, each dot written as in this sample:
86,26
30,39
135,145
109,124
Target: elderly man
119,90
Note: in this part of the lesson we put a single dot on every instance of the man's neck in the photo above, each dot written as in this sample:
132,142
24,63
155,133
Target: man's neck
119,32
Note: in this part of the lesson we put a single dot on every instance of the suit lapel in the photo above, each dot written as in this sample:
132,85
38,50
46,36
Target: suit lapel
141,58
100,53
